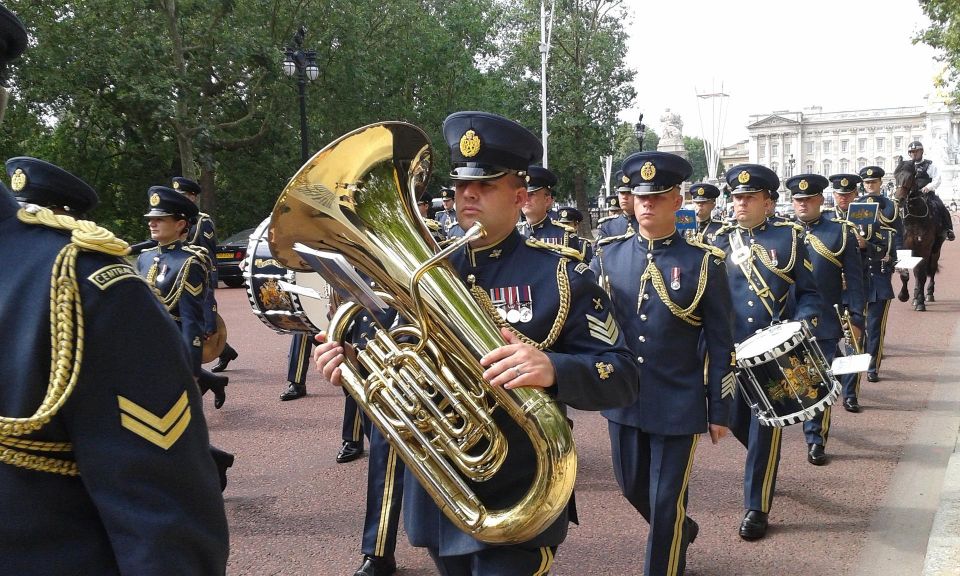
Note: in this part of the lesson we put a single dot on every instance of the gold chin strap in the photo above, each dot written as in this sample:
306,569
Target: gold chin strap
66,338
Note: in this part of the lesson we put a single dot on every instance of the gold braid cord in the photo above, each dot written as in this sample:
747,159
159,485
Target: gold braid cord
66,343
563,287
686,314
173,298
761,254
820,248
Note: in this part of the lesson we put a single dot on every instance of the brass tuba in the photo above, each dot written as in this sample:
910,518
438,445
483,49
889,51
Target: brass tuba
422,383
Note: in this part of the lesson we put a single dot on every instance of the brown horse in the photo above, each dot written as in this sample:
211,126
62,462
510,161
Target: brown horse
921,234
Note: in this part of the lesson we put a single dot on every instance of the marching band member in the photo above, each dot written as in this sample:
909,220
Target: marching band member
887,232
447,217
838,270
538,223
620,223
41,183
555,304
669,294
704,197
765,261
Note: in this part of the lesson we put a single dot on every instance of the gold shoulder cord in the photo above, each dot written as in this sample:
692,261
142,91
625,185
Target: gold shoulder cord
66,338
563,287
686,314
820,248
764,258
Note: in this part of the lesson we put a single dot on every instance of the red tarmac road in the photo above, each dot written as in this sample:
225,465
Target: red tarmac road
294,511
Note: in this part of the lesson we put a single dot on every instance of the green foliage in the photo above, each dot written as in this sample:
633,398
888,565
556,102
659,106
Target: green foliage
128,94
695,154
944,35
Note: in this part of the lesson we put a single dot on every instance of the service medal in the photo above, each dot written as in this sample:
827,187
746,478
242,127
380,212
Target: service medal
526,305
513,307
675,278
773,256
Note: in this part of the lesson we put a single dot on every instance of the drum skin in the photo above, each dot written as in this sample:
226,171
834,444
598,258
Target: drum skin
282,311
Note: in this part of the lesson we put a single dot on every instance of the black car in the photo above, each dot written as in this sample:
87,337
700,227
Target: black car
230,255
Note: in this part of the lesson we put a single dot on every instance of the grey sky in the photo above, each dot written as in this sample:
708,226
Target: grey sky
775,55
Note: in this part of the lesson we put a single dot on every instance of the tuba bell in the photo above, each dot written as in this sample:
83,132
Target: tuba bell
421,383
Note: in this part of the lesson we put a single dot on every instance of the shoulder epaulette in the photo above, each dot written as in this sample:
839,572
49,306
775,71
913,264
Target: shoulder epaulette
202,215
830,209
557,248
793,225
845,222
566,227
432,224
609,239
84,233
707,248
607,218
726,228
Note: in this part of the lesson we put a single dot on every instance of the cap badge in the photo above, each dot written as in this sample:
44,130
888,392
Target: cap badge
743,177
176,185
869,171
154,199
648,171
563,214
625,179
18,181
469,144
803,185
844,182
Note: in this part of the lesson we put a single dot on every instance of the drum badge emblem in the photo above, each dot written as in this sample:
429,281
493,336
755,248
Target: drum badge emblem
273,297
648,171
744,177
18,181
469,144
798,380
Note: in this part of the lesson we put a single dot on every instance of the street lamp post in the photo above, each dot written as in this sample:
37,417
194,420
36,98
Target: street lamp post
639,129
303,63
791,162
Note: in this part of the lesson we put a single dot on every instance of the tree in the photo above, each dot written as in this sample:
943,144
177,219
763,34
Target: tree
695,154
944,35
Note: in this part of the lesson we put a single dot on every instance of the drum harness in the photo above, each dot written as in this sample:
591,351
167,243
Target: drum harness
743,257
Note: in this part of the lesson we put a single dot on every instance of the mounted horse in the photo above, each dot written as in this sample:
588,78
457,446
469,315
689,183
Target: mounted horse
921,233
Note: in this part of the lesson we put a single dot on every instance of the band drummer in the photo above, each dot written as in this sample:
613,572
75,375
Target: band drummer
835,254
588,366
765,260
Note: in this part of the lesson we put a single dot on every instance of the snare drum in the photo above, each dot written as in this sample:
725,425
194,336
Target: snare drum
784,375
283,311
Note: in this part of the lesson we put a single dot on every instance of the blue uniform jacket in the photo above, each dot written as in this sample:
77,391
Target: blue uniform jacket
571,316
885,238
553,232
179,274
779,257
838,271
447,219
147,498
706,231
203,234
669,293
614,226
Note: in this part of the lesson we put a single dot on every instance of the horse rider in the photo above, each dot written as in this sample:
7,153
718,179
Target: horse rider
886,237
670,294
101,452
766,259
588,366
927,180
704,197
619,224
838,270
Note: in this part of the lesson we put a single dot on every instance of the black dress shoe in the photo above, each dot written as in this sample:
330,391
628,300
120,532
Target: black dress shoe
294,391
816,455
851,405
226,356
223,460
693,529
754,525
217,384
376,566
349,452
873,377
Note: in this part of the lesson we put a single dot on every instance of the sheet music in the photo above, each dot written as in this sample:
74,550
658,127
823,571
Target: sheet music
341,276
